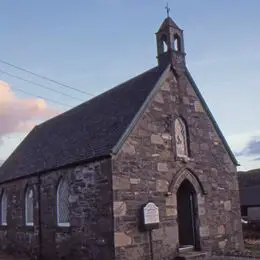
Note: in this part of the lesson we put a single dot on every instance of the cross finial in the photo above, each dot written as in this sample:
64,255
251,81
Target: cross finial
167,9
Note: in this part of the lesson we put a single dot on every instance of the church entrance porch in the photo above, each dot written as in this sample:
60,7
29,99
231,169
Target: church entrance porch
187,216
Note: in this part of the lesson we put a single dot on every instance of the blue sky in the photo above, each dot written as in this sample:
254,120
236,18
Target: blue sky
94,45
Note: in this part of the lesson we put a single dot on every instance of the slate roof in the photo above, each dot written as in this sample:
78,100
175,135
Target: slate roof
87,131
169,22
249,196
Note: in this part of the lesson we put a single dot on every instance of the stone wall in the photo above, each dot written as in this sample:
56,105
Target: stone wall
147,168
90,235
16,236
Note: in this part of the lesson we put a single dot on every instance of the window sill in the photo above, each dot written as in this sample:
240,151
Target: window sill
63,224
3,226
184,158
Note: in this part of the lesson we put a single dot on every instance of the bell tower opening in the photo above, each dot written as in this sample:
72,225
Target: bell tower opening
164,42
170,43
177,43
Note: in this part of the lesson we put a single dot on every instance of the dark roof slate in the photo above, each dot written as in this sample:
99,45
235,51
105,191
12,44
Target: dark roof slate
85,132
168,22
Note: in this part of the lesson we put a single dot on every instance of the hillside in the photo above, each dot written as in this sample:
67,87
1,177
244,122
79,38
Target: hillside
249,178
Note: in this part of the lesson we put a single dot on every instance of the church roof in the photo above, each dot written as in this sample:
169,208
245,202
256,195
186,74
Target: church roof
90,130
87,131
168,22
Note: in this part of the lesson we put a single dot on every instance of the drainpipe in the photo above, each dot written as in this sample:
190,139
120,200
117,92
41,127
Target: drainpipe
39,218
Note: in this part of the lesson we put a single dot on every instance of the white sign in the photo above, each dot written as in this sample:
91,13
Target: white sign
151,214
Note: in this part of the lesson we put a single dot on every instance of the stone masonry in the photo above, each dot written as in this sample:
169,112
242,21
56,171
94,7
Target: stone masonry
146,168
90,235
126,166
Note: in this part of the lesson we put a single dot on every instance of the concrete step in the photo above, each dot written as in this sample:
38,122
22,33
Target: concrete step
184,249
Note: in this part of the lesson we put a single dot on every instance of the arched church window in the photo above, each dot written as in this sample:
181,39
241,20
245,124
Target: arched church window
164,43
4,208
181,137
63,203
29,207
177,43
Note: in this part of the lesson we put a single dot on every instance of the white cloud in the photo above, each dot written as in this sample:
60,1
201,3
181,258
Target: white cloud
19,115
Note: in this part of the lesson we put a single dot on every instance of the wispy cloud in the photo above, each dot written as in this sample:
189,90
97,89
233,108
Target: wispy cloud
252,147
19,115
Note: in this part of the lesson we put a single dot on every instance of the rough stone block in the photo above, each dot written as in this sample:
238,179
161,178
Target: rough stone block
171,200
190,91
73,198
166,86
121,239
119,208
166,136
227,205
135,181
162,185
186,100
198,107
201,199
170,212
222,244
221,230
159,98
121,183
204,231
158,234
162,167
202,211
166,154
156,139
171,235
128,149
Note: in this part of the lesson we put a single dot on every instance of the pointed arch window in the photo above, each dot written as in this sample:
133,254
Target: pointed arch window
164,44
4,208
63,203
181,138
29,207
177,43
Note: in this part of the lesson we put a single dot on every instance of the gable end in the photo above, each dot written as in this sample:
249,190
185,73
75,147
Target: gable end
205,106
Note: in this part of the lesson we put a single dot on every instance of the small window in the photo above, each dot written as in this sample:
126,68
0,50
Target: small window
181,138
29,207
4,209
177,43
63,203
164,44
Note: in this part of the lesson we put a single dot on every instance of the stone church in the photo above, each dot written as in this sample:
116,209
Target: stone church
75,187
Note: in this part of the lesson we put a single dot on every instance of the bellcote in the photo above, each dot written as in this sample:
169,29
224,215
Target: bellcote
170,44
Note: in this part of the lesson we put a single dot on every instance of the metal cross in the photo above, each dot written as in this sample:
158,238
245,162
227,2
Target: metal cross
167,9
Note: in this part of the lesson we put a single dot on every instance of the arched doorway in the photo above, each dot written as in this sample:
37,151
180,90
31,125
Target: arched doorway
187,215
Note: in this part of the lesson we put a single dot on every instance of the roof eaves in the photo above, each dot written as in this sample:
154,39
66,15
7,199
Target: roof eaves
129,129
204,104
